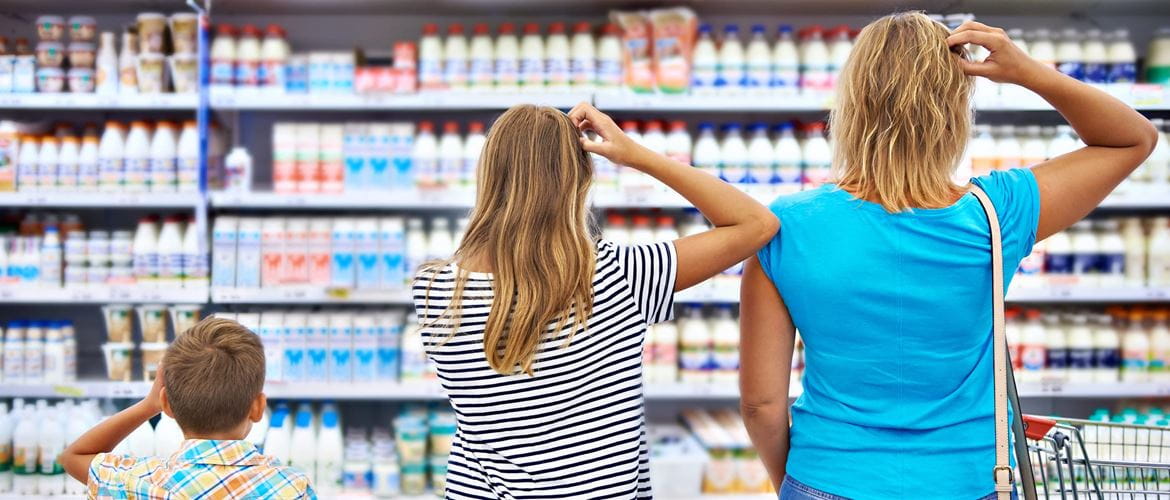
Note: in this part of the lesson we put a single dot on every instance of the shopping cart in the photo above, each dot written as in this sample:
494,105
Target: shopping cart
1074,459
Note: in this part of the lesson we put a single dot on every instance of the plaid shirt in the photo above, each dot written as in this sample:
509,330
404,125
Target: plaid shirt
200,469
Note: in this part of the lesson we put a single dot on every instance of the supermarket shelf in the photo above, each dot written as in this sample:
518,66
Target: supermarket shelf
308,295
373,200
100,200
1074,294
425,101
94,101
138,294
626,101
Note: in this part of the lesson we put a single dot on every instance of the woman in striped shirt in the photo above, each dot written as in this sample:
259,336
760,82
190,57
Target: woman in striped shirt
536,327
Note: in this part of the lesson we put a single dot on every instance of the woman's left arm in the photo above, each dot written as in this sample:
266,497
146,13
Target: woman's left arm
766,340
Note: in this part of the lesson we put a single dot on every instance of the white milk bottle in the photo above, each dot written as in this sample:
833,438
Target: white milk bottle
759,62
50,445
50,262
163,174
732,66
1007,148
425,156
733,157
170,252
678,142
471,151
24,452
329,452
840,45
223,59
440,245
67,164
1158,163
707,154
725,343
653,138
696,343
556,58
785,64
141,440
1063,142
111,158
1159,252
137,157
128,65
1069,59
106,64
1106,350
416,246
616,229
1033,150
482,65
640,232
1160,346
665,229
450,163
1096,57
7,421
583,64
430,58
1080,350
761,162
704,63
238,171
1033,348
223,244
455,58
531,59
303,453
1041,47
507,54
187,158
1059,257
276,442
1086,252
193,259
984,158
1122,58
1134,240
248,58
628,177
1112,257
816,155
788,156
1135,350
87,164
47,165
145,249
814,61
274,52
168,437
609,59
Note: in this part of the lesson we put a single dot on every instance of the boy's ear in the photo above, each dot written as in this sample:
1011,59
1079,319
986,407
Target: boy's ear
258,406
165,402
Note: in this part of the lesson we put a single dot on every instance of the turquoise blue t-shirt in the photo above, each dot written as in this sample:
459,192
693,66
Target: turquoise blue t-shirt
895,313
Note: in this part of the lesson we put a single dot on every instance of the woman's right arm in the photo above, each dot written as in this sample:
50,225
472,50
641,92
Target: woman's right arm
742,225
1117,138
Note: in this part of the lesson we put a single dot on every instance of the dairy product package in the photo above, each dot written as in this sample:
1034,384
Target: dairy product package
674,40
638,53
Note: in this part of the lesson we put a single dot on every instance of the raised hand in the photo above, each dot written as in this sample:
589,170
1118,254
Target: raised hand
1006,62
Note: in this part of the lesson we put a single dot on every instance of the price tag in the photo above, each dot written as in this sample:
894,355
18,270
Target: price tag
124,390
68,391
7,293
82,295
37,200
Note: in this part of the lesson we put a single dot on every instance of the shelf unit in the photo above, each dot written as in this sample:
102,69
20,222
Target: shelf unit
103,294
308,295
67,199
67,101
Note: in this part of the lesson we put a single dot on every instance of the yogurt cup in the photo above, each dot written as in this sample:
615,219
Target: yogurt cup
184,72
151,70
50,27
184,316
152,320
117,356
82,28
152,356
81,54
50,54
50,80
152,26
414,479
81,80
117,322
184,32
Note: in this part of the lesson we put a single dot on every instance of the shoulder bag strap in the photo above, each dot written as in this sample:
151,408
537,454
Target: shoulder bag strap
1003,474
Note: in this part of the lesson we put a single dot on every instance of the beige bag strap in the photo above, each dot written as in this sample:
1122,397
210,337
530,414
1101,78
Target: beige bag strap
1002,472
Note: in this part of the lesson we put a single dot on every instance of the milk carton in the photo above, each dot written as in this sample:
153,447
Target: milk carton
340,347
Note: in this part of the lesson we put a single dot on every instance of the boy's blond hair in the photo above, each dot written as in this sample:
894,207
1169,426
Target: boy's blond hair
212,374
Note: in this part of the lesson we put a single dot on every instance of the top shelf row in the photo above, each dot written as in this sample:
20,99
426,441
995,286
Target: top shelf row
1148,98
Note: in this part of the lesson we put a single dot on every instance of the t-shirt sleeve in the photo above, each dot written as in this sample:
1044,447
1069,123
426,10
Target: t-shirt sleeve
769,255
106,474
1016,198
651,270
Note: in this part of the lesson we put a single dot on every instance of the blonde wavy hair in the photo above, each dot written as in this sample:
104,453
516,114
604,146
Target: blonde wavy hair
903,115
532,226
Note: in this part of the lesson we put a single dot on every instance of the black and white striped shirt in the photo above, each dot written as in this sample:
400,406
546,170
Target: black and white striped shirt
577,427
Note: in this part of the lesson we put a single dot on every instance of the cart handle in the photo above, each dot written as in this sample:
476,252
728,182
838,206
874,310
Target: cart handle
1037,427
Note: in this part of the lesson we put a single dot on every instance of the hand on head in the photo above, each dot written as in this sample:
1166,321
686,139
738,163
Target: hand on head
1006,62
615,145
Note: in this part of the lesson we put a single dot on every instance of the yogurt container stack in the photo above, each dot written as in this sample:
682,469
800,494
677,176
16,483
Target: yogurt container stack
65,63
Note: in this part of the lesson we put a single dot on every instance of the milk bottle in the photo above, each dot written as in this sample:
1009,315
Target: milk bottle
106,63
761,162
50,260
111,166
983,151
168,437
628,177
1086,252
1106,350
817,157
67,164
1080,350
653,139
440,245
1122,59
640,232
678,143
732,66
187,158
814,61
556,58
1159,252
785,64
248,58
697,343
1033,150
1007,147
1063,142
840,45
705,63
303,453
609,59
665,229
274,52
583,65
707,154
1069,59
1135,350
1041,47
430,58
1158,163
733,157
7,421
759,62
223,241
1134,241
507,54
416,245
128,65
450,163
46,178
481,70
24,452
162,158
1112,257
137,157
471,150
532,58
170,251
615,229
425,156
1033,348
145,249
87,164
787,153
1096,68
342,268
50,444
1056,348
223,58
1160,347
455,58
194,258
725,342
329,452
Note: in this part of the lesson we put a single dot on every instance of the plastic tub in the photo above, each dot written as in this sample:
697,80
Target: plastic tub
82,28
50,27
151,28
50,54
184,316
117,322
152,320
184,72
81,54
50,80
151,71
117,356
184,31
80,80
152,355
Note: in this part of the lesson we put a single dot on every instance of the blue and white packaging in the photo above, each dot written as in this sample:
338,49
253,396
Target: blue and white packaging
365,346
378,152
317,348
295,346
366,253
271,333
340,347
392,252
401,149
247,266
355,153
342,265
389,333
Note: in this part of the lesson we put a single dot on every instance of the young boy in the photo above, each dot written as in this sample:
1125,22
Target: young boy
213,389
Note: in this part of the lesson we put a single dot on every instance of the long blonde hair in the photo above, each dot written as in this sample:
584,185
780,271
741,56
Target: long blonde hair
532,226
903,114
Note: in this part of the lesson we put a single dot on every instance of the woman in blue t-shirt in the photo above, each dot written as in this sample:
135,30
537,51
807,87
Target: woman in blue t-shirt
885,272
